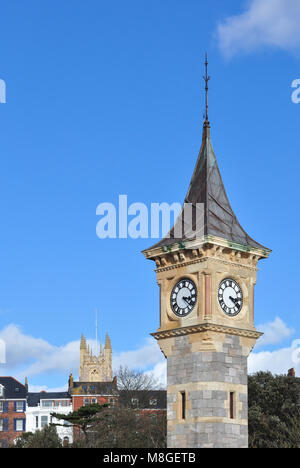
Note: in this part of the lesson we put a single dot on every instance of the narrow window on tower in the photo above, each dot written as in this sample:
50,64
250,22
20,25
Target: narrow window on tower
183,404
231,405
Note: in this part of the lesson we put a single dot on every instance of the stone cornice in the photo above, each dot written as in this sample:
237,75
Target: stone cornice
204,327
198,243
203,259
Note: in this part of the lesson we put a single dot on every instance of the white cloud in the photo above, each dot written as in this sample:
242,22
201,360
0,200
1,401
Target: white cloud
272,23
41,388
148,355
274,332
159,372
278,361
29,356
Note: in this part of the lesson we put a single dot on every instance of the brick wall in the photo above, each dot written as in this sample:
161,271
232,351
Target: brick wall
78,401
9,416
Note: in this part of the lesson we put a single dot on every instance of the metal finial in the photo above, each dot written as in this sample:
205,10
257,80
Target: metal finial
206,79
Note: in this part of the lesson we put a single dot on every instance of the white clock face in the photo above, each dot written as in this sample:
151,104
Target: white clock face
183,297
230,297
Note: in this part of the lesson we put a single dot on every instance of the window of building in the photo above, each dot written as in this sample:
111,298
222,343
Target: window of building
153,401
112,401
17,390
37,422
19,425
183,405
135,401
231,405
94,401
86,401
44,421
47,403
66,442
19,406
3,425
1,390
1,406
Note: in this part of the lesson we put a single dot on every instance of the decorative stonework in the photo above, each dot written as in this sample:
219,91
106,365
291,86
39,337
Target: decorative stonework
212,248
95,368
204,327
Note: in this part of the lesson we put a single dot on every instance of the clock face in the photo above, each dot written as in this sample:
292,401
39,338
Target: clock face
183,297
230,297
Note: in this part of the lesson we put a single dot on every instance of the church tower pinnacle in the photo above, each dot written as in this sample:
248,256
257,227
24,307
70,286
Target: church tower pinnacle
95,368
206,270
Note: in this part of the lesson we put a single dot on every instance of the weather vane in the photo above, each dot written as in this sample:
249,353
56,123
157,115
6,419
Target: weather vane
206,79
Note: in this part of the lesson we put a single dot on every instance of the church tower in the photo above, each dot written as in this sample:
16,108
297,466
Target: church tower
206,271
95,368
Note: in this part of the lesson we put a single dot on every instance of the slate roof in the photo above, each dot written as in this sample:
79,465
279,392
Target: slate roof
144,397
13,389
35,398
94,388
207,187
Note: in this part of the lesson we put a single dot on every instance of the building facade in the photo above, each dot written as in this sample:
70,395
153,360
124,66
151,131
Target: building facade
13,396
89,393
41,405
207,274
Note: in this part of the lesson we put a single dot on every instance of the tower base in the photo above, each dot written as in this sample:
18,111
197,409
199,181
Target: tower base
207,390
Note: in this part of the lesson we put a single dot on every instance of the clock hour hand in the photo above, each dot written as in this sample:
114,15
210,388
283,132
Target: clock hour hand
187,300
234,300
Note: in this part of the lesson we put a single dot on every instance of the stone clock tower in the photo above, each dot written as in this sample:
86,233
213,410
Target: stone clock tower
207,330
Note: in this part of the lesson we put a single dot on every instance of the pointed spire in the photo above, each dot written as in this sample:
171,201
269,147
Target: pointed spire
107,342
82,342
206,189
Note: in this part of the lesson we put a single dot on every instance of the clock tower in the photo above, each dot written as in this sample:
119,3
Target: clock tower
206,271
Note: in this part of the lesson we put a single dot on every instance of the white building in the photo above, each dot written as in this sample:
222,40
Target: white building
39,409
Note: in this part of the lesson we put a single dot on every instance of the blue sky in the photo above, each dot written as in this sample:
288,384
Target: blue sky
106,98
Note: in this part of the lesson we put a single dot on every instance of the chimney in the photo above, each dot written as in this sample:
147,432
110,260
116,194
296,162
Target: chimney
71,381
291,372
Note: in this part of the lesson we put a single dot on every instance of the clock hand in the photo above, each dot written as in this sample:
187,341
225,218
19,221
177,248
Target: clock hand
187,300
234,300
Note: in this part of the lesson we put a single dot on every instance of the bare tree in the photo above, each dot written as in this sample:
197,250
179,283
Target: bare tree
130,380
